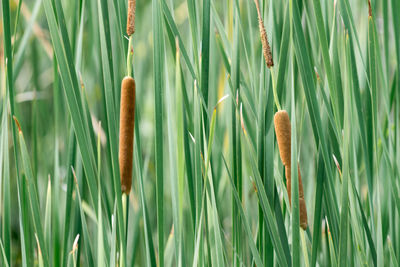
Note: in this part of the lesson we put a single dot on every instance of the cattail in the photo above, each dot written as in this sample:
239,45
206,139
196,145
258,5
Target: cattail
283,136
264,39
130,25
283,133
126,129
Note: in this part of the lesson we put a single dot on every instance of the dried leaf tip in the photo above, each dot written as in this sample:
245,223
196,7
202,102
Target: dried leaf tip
130,25
369,8
17,123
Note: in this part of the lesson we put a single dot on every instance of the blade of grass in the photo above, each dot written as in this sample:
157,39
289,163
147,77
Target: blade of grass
3,253
317,210
6,204
33,197
68,198
295,219
246,225
71,90
87,243
205,50
175,31
267,211
150,254
158,68
344,214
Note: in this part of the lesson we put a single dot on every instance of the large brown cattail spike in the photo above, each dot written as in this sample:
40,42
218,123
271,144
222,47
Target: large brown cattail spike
283,136
130,25
126,130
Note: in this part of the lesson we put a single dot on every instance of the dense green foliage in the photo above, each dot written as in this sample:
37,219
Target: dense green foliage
208,183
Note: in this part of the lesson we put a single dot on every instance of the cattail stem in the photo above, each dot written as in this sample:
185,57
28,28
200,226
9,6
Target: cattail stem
129,58
276,99
126,130
123,239
267,52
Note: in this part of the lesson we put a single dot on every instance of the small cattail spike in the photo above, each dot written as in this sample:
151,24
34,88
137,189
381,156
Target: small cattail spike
130,25
264,39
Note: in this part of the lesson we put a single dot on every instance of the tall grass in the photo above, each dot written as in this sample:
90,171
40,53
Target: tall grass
209,186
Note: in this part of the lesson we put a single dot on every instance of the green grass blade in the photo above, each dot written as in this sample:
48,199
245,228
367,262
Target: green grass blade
158,68
205,50
71,90
246,225
267,211
3,253
33,198
68,198
5,173
317,211
86,237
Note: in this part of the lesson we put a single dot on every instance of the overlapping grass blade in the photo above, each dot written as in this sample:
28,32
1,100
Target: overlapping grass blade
33,198
71,90
158,69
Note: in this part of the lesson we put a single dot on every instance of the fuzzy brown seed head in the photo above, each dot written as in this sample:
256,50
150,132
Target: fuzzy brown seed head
283,135
130,25
265,44
126,130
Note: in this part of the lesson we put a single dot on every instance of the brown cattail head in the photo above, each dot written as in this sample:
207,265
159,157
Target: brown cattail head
130,25
302,202
283,135
126,130
264,38
265,44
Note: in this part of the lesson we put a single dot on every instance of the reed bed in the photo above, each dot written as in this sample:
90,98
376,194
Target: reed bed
199,133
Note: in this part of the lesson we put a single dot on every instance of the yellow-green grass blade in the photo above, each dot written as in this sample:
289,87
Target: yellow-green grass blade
175,178
267,210
5,186
33,198
3,253
150,253
158,69
169,19
303,60
86,237
68,197
246,225
295,208
71,90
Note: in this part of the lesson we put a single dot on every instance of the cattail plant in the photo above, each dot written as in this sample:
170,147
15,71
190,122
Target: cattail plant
283,136
130,24
126,130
